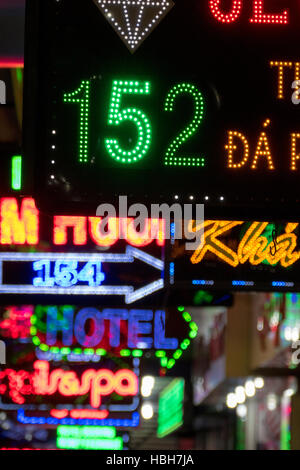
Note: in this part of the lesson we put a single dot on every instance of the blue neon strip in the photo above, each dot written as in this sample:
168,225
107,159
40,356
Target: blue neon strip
130,423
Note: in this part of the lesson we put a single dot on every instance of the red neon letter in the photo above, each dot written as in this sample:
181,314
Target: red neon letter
61,222
104,238
22,227
260,17
226,17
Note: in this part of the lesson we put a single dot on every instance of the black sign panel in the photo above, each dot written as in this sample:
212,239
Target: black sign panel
160,98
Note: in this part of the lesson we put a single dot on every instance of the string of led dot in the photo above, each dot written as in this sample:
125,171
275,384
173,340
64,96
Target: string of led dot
190,130
161,354
133,39
116,117
81,96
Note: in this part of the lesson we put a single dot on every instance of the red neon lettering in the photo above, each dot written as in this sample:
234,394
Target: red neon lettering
260,17
60,234
226,17
19,228
43,382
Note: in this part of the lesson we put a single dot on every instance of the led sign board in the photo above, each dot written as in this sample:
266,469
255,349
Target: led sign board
239,255
78,255
77,334
196,98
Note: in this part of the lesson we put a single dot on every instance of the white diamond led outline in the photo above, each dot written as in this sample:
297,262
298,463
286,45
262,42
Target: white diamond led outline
134,39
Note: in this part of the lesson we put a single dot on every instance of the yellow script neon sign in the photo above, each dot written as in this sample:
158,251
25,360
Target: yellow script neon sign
254,247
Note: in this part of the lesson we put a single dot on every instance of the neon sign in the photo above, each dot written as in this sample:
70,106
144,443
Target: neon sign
28,418
69,332
240,254
19,385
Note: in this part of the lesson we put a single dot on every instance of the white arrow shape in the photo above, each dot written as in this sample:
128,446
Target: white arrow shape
134,20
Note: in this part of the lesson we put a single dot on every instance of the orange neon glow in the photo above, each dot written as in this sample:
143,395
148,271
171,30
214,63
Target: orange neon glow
259,15
254,247
79,414
19,227
111,234
263,149
97,383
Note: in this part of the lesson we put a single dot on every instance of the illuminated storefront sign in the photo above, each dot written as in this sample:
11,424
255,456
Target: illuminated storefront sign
19,385
166,124
240,254
79,333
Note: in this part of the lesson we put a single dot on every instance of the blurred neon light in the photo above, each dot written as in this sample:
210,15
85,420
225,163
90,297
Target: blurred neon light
254,247
73,328
11,62
131,253
19,227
